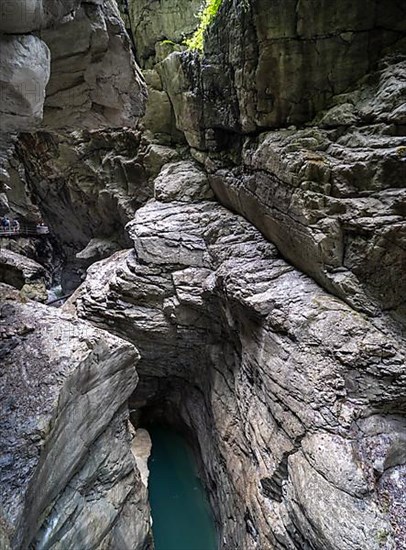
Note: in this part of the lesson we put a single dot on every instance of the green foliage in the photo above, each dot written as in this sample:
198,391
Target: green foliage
382,536
171,42
206,17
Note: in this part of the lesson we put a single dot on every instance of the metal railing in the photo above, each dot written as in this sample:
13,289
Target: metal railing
25,230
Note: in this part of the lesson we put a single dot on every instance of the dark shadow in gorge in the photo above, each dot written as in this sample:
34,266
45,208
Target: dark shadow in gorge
184,407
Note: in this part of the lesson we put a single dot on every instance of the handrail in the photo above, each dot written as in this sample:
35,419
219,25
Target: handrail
25,231
65,297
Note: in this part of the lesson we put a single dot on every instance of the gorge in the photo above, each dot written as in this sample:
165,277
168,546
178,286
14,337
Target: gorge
229,225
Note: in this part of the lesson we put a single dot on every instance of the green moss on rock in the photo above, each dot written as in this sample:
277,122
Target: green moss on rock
206,16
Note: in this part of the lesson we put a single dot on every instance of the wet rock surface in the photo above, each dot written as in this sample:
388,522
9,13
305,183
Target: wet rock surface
63,481
24,74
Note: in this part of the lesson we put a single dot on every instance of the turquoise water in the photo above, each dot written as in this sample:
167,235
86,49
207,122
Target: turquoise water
182,519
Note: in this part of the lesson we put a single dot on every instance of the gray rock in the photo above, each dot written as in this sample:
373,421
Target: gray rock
267,369
96,250
90,184
94,81
93,73
271,64
24,274
65,474
182,181
22,16
141,446
24,74
169,20
156,156
331,204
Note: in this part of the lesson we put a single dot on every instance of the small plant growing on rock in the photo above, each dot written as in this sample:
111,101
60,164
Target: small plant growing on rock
382,536
206,16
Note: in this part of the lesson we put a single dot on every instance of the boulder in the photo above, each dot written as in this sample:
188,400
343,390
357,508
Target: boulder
182,181
24,274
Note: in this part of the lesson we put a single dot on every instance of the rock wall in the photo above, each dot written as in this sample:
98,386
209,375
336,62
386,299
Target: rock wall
68,476
294,393
87,79
69,479
329,191
159,23
295,398
94,80
272,64
81,53
88,185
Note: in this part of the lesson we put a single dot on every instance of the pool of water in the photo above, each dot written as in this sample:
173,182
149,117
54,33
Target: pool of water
182,518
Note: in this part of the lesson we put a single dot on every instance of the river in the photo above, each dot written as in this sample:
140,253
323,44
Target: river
182,518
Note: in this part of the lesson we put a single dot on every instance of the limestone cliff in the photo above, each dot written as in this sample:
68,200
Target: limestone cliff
328,193
296,400
65,65
261,205
69,479
68,476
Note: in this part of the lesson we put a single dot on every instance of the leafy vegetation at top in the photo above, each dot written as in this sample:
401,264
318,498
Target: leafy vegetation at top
206,16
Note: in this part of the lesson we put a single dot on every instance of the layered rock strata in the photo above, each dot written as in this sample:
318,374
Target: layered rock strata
329,191
293,396
332,196
272,64
87,79
68,476
88,185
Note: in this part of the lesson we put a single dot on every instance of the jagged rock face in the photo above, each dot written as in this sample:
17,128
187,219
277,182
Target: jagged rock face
23,16
83,58
331,194
287,388
88,186
24,274
296,399
158,21
40,249
94,79
159,28
271,64
68,476
94,82
182,181
24,74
